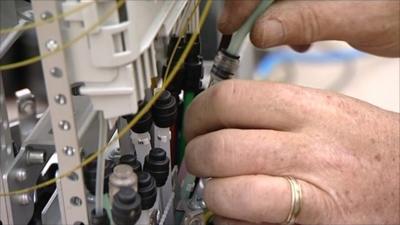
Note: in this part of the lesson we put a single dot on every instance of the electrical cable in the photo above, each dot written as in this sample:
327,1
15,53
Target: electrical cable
99,204
64,45
239,36
139,115
181,36
43,22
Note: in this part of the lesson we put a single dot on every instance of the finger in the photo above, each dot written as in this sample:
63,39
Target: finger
303,22
250,104
262,199
300,48
218,220
234,14
234,152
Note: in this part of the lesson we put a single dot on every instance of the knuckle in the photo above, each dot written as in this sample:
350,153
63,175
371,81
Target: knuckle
191,158
216,147
221,97
308,17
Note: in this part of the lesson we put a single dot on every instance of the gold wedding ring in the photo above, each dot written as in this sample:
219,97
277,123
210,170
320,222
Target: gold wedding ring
295,206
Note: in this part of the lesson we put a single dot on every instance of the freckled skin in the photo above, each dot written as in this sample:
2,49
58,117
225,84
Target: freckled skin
248,135
347,163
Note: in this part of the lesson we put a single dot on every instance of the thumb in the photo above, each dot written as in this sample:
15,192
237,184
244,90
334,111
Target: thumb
299,23
234,13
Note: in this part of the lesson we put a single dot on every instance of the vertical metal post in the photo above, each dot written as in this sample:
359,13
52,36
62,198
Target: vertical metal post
6,157
73,199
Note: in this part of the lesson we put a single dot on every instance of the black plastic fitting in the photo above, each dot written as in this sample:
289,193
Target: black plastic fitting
177,83
195,52
194,72
144,124
126,208
157,164
99,219
147,190
131,160
89,173
165,110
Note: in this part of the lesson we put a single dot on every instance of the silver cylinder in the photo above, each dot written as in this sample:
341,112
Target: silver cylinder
35,157
122,176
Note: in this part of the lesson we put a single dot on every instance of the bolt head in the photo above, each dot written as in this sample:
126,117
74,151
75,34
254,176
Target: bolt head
46,15
52,45
20,175
60,99
64,125
23,199
69,151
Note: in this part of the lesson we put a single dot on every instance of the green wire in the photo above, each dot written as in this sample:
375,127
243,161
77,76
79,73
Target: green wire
187,99
239,36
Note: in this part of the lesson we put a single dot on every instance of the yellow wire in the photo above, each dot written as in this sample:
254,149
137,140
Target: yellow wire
65,45
42,22
181,36
138,116
207,216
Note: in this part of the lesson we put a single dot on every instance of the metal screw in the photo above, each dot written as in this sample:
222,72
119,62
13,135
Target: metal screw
52,45
28,107
35,157
64,125
73,176
76,201
56,72
60,99
23,199
20,175
46,15
69,151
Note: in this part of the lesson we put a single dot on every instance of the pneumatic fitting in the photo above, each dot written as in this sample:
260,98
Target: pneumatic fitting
126,207
225,67
157,164
165,110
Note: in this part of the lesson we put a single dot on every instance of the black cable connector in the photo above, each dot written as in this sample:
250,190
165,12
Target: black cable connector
144,124
131,160
89,173
147,190
165,110
126,207
157,164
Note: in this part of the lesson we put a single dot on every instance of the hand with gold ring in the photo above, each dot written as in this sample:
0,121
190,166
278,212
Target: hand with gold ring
280,153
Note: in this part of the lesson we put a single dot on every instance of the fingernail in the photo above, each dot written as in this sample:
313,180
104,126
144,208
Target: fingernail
272,33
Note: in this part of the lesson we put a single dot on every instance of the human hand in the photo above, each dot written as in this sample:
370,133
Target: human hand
248,135
370,26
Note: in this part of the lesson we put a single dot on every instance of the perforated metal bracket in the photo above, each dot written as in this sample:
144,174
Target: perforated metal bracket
73,199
